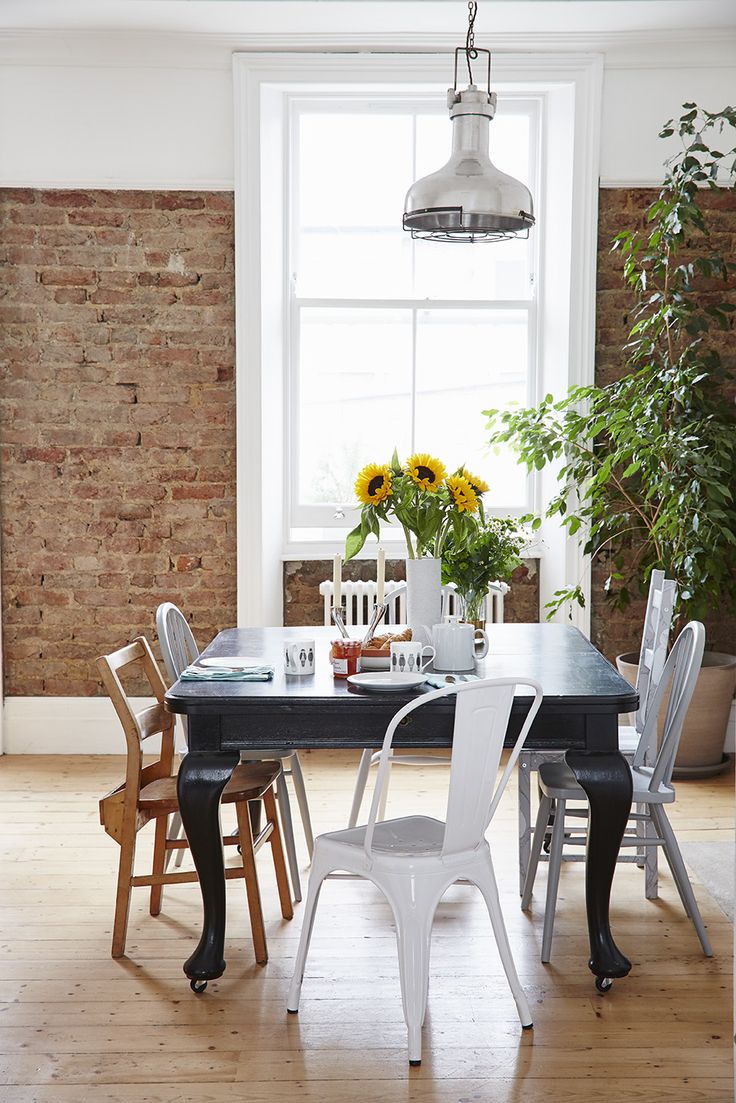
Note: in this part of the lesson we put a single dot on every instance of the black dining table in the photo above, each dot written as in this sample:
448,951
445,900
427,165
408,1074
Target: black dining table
583,697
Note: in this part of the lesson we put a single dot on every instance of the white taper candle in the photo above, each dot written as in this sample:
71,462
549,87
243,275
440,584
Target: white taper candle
380,576
337,582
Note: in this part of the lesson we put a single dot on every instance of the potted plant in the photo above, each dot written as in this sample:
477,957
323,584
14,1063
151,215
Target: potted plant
646,463
490,554
432,508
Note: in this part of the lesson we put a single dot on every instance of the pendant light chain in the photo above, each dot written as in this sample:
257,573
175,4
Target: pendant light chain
470,50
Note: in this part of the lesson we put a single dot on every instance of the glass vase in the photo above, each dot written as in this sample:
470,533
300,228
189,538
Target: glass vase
474,608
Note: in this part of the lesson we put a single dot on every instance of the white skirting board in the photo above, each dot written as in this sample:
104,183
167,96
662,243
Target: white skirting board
66,725
88,725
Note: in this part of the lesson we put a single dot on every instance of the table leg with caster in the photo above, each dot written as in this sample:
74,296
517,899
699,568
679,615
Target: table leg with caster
201,779
606,779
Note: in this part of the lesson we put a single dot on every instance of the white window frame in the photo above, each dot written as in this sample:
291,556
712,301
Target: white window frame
321,517
569,87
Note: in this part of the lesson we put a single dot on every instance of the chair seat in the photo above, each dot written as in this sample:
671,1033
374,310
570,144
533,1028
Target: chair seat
557,780
628,739
248,782
413,836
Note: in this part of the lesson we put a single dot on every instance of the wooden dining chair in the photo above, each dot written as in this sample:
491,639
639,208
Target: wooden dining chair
652,656
652,790
149,793
179,649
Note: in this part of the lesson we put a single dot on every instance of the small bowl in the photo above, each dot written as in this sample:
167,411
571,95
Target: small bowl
374,658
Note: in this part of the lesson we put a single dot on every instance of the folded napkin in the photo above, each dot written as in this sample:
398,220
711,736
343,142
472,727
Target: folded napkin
213,674
439,681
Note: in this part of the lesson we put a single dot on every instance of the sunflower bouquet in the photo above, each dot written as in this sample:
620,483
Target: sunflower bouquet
431,506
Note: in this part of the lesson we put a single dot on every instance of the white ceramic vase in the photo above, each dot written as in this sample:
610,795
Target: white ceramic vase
423,596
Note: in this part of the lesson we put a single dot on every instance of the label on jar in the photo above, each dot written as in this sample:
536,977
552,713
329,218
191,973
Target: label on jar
340,666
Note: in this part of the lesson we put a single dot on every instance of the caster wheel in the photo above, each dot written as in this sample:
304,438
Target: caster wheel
603,984
198,986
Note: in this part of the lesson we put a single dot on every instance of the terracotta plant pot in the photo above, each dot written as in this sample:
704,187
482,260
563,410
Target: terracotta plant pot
704,733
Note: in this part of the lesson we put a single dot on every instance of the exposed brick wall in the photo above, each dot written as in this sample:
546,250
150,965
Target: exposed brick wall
118,424
621,209
303,604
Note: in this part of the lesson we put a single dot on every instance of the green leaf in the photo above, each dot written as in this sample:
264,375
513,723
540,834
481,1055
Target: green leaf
354,542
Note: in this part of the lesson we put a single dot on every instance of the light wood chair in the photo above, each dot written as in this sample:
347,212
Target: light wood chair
179,649
149,793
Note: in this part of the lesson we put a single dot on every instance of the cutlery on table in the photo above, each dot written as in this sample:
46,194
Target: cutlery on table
337,617
379,611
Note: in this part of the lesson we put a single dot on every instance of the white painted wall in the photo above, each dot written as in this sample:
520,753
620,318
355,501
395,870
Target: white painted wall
130,110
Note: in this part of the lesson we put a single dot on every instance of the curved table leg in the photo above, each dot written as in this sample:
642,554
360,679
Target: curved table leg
606,779
202,777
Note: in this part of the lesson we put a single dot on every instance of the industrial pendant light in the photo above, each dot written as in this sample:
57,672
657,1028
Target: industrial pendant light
469,199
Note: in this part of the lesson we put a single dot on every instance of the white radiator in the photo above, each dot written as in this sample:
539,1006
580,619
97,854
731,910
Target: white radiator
360,597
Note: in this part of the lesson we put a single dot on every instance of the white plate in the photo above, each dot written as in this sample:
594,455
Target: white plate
387,682
231,662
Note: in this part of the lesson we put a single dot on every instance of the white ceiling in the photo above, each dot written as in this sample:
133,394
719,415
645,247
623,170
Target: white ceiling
356,16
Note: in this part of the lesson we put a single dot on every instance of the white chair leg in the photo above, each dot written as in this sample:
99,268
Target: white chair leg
651,871
282,796
316,877
384,794
540,829
414,902
486,882
679,872
523,775
360,783
301,796
553,879
175,830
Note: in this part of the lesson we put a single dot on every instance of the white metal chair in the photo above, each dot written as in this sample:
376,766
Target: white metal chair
179,649
652,790
413,860
652,655
360,598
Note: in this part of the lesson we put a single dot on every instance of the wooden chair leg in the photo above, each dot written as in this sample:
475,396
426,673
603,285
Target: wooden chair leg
251,883
122,895
277,851
159,863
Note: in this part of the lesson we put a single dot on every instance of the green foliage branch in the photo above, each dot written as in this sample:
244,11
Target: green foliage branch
646,464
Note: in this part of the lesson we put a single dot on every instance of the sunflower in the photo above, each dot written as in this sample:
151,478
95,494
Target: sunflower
373,484
466,499
426,471
478,485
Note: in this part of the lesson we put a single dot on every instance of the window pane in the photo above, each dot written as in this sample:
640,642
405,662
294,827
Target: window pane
354,170
484,270
469,361
354,401
374,263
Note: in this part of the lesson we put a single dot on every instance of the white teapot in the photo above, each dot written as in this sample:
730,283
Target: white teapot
457,645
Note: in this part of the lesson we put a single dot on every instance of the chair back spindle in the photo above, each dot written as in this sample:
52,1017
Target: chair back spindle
654,640
178,646
681,670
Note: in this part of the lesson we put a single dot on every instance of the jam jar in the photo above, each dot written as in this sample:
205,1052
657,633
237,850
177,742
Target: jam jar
345,657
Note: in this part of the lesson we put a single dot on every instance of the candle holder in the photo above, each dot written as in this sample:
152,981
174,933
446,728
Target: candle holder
338,613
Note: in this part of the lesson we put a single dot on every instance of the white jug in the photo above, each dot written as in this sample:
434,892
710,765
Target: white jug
457,645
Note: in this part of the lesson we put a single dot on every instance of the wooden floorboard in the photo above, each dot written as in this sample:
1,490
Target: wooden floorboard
78,1027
